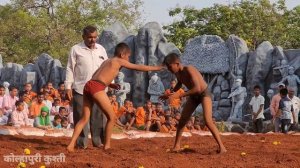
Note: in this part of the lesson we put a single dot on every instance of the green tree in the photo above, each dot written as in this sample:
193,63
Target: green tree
30,27
253,20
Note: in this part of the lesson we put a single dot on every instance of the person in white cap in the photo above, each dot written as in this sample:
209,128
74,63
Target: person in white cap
296,106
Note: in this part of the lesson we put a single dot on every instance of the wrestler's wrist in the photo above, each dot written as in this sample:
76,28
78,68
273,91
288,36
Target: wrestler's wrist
181,95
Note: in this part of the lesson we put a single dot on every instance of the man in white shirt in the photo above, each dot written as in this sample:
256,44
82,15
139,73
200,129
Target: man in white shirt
296,106
84,59
257,105
3,118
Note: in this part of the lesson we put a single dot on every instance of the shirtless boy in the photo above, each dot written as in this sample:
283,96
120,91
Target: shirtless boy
198,93
94,91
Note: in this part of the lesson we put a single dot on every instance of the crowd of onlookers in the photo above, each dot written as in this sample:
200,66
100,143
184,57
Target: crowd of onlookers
46,109
49,108
284,109
154,116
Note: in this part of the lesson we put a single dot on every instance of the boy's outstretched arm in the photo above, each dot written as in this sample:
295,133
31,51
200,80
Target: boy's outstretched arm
139,67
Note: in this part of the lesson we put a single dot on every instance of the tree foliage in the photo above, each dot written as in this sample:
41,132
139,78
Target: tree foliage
30,27
253,20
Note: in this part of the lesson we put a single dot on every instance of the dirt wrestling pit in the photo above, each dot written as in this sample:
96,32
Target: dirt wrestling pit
246,150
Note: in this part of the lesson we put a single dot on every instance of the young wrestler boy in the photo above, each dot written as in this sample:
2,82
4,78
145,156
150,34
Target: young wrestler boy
198,93
94,91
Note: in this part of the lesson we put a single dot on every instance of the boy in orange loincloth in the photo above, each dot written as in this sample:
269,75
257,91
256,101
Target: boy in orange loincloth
94,91
198,93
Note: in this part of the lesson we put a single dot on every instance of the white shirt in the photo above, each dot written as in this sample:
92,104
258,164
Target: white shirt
48,103
296,106
82,64
3,120
255,103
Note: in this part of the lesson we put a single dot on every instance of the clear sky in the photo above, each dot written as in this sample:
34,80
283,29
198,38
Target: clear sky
157,10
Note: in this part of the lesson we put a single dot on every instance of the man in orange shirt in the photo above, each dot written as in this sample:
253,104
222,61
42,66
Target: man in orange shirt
114,103
142,118
138,120
126,112
176,102
36,106
51,90
29,95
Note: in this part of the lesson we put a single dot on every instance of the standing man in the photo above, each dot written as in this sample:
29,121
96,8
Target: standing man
257,106
84,59
296,106
274,107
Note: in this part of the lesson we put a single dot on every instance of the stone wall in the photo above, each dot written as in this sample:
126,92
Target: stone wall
219,60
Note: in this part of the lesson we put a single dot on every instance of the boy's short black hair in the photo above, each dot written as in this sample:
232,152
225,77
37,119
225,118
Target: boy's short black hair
19,102
11,88
40,94
171,58
57,117
28,83
1,86
121,48
283,91
61,83
88,30
257,87
159,104
62,108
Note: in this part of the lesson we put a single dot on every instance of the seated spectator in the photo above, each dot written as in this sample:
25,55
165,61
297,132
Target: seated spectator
169,125
43,120
55,108
61,90
62,94
19,116
155,119
2,93
153,107
57,121
36,106
28,94
197,123
142,117
53,93
48,100
114,103
3,118
189,125
9,101
65,123
138,120
26,106
126,113
160,112
174,103
176,119
65,114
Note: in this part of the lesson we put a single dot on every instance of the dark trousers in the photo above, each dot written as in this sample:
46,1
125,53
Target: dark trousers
95,126
285,124
258,125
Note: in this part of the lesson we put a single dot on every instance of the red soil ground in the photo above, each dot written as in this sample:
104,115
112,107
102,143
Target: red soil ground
260,152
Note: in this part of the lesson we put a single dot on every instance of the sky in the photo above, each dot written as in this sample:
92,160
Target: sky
157,10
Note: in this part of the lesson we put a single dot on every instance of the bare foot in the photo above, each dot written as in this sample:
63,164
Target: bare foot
176,149
70,149
221,150
106,147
